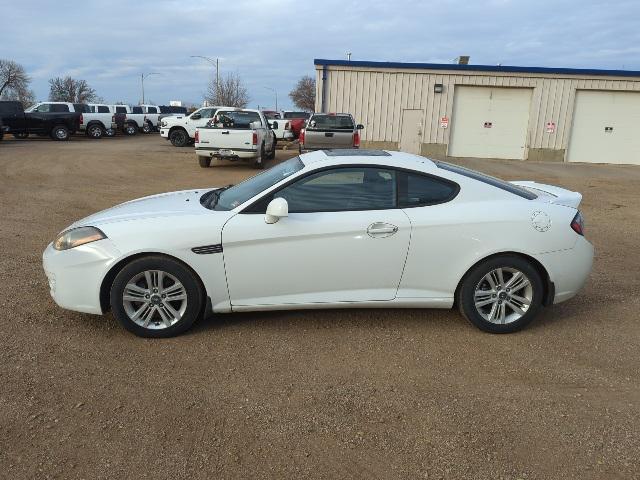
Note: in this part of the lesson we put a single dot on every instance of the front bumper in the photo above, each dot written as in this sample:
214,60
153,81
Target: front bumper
164,132
568,269
75,275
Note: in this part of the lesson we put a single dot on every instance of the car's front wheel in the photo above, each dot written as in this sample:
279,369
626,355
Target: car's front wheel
95,131
156,297
179,137
501,295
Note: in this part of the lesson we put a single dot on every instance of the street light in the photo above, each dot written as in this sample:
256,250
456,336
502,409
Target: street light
214,63
142,77
274,91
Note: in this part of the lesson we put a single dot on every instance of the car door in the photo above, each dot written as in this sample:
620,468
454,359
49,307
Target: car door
344,240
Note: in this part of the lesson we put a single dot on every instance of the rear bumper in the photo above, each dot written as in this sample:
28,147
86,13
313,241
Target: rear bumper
568,269
232,154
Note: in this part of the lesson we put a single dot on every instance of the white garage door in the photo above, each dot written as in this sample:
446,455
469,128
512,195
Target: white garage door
606,128
490,122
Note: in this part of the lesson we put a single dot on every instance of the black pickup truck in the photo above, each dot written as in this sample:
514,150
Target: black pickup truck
57,125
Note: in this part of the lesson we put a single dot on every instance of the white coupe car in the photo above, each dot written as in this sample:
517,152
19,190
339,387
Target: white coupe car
328,229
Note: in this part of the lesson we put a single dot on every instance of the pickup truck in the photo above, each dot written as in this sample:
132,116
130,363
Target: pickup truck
281,128
93,124
152,114
48,121
329,130
236,134
180,130
296,119
135,121
117,118
170,110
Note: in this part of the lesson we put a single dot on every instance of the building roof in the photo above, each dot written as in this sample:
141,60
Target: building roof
478,68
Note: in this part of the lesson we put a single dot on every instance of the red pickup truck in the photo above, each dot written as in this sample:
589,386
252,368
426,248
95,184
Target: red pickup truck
296,119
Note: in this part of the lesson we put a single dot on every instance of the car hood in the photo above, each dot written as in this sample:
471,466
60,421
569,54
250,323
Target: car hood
174,119
185,202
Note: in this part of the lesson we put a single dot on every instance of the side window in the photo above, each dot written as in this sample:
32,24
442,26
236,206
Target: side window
207,112
121,109
152,109
59,108
342,189
136,110
417,190
103,109
43,108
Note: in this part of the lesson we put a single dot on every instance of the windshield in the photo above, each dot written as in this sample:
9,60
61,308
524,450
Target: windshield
230,198
235,119
288,115
332,122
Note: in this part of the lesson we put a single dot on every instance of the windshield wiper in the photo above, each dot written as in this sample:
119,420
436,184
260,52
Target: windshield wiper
215,196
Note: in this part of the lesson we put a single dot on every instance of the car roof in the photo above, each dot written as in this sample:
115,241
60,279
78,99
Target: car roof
389,158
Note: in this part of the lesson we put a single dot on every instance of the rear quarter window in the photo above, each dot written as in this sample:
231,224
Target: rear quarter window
416,190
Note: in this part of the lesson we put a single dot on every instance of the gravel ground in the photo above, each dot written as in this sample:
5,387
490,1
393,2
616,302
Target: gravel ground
375,394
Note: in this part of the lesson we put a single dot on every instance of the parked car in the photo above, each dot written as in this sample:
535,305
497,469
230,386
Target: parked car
128,127
117,119
180,130
152,114
236,134
170,110
135,120
52,121
93,124
281,128
328,229
329,130
297,120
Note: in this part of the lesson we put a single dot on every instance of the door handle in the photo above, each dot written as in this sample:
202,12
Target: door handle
225,133
381,230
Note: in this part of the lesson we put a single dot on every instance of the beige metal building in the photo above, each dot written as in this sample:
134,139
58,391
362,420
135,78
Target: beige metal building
442,110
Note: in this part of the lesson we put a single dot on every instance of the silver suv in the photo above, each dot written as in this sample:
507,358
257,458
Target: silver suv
330,130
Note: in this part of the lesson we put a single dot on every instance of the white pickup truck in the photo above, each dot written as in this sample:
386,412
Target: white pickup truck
152,113
180,130
281,128
136,119
93,124
236,134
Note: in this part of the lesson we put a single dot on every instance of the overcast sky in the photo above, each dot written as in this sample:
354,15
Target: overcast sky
272,43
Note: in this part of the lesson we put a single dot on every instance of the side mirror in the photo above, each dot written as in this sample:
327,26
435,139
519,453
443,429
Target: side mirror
196,116
277,208
359,126
274,125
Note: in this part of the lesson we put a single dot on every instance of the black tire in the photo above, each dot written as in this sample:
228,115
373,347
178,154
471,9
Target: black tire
259,162
95,131
20,135
205,162
272,153
147,127
194,297
500,296
179,137
130,129
60,133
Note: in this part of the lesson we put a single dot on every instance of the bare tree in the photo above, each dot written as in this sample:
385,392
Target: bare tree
69,89
229,92
304,94
14,83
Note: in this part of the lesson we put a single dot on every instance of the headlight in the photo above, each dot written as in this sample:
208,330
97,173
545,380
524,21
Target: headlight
77,236
163,123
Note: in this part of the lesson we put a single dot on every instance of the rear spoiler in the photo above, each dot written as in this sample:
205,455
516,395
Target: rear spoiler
552,194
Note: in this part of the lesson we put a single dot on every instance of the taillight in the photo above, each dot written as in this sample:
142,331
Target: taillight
81,119
255,138
356,139
113,119
287,126
197,137
301,137
577,224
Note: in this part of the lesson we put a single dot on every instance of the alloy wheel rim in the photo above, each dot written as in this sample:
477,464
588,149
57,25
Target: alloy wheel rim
154,299
60,133
503,295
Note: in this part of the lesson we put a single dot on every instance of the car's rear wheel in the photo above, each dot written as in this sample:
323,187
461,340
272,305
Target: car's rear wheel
179,138
130,129
156,297
147,127
259,162
60,133
95,131
205,162
501,295
110,132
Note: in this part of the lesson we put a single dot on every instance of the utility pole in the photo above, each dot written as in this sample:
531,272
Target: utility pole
276,93
348,56
215,63
142,77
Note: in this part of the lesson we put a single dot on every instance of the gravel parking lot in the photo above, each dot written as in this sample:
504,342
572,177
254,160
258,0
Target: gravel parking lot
323,394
